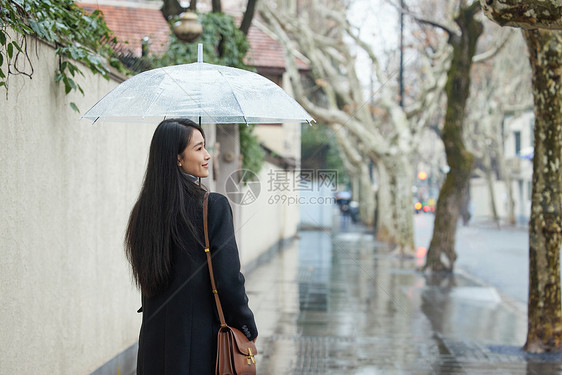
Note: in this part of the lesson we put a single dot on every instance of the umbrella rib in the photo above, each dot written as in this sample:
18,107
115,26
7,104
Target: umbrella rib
235,98
187,93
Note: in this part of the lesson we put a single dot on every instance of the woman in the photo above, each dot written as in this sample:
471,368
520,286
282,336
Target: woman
164,244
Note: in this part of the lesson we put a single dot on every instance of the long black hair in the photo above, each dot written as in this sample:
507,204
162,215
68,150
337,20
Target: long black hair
168,201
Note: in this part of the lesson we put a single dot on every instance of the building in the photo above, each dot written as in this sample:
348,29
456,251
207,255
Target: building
518,156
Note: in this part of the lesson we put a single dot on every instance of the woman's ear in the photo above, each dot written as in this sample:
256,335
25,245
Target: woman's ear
179,160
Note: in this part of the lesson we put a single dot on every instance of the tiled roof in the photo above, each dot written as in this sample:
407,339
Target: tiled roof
132,23
266,52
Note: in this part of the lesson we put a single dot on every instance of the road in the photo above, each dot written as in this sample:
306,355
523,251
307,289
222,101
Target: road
498,257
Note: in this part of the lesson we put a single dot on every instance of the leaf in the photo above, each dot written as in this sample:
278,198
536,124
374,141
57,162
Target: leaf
17,46
10,49
74,107
67,86
2,38
72,83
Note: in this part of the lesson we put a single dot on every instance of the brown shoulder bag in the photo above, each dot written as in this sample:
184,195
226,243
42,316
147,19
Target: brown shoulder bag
235,353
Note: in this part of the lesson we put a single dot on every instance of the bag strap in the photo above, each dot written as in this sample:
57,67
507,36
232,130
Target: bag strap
209,262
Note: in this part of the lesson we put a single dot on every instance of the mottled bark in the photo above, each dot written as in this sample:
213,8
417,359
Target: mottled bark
401,182
441,254
385,229
545,227
394,204
527,14
366,197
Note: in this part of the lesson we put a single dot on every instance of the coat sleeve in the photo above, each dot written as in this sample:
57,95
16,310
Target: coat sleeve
226,267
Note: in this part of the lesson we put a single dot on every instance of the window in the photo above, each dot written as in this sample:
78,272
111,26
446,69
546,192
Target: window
517,137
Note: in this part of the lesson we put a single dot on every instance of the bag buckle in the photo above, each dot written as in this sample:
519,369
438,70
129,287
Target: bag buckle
250,357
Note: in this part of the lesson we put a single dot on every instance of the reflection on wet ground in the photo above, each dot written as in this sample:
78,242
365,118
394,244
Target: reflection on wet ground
339,303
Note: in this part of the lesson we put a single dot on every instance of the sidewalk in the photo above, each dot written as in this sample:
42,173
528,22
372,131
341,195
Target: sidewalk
338,303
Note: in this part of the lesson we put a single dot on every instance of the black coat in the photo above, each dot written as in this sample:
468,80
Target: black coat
179,329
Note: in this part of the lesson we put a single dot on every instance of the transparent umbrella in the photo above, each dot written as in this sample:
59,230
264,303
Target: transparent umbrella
203,92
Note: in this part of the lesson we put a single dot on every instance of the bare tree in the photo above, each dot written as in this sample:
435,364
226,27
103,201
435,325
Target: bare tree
387,134
441,254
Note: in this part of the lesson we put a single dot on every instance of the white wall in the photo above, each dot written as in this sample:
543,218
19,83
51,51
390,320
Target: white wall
68,302
67,187
273,216
318,206
480,202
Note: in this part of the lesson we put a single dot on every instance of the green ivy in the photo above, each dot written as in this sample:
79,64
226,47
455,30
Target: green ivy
77,36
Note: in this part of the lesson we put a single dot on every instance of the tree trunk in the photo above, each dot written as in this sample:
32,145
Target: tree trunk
367,197
527,14
401,199
508,181
490,182
459,159
385,225
395,221
171,8
216,6
248,16
545,227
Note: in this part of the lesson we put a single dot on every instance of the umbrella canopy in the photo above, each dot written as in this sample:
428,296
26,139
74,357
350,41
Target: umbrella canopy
203,92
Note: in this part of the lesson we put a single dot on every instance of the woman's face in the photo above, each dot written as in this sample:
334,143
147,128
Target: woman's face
195,158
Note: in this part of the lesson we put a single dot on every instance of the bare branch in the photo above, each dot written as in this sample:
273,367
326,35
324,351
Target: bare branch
491,53
407,12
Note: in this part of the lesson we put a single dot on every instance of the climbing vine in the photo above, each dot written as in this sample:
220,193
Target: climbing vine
77,36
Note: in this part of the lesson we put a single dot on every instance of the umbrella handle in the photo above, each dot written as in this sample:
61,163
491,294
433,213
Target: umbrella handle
200,52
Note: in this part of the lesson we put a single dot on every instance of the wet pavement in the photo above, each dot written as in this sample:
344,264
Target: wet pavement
341,303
